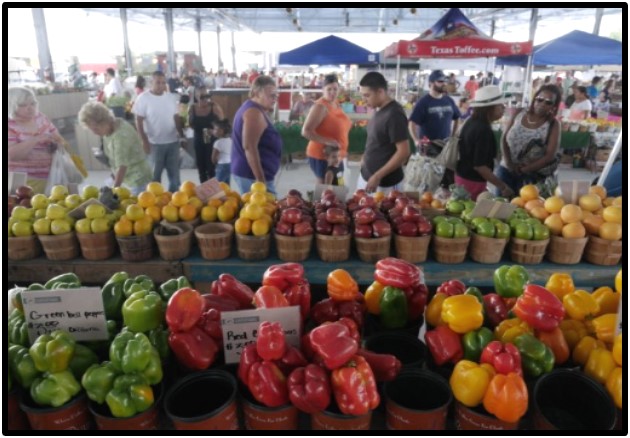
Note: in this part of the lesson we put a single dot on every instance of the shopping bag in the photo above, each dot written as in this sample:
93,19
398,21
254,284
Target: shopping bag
63,171
76,159
422,174
450,153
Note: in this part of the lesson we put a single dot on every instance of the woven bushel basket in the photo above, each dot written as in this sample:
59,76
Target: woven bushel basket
253,247
601,251
23,248
333,248
293,249
450,250
486,249
215,240
412,249
371,250
136,248
176,246
60,247
97,246
528,252
566,251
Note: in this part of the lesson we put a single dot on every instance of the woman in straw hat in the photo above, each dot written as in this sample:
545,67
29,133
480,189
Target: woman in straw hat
477,144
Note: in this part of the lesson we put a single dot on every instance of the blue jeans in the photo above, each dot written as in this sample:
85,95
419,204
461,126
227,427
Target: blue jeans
222,172
513,181
244,184
166,156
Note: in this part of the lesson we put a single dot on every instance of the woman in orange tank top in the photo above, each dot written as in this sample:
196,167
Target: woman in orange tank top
326,125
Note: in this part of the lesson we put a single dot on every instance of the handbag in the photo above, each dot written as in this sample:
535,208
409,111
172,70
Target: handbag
535,150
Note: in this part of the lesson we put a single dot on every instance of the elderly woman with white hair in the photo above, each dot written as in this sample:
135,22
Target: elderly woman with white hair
121,145
32,138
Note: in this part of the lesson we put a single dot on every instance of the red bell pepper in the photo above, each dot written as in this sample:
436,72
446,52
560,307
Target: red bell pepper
283,275
539,308
268,297
495,309
451,287
354,310
300,295
221,303
341,286
333,343
384,366
504,358
329,310
391,271
352,326
309,388
267,384
555,340
354,387
292,359
271,343
249,356
194,349
417,296
184,309
210,323
228,285
444,344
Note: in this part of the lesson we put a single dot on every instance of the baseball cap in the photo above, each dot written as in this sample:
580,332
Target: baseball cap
437,75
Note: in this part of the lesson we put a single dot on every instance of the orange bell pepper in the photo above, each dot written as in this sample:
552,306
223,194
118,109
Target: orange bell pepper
599,365
373,297
607,299
614,385
617,350
434,310
462,313
580,305
583,349
560,284
604,327
618,281
341,286
573,331
555,340
507,397
510,329
469,382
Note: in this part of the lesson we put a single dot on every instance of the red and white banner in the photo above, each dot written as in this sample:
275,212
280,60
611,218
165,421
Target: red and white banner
457,48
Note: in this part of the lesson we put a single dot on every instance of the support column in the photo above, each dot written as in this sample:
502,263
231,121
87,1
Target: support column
128,60
170,57
233,48
533,22
198,29
599,13
43,50
220,61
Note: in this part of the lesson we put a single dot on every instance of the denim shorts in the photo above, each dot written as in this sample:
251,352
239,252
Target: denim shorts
319,167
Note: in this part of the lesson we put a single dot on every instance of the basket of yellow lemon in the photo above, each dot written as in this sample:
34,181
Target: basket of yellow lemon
134,233
252,228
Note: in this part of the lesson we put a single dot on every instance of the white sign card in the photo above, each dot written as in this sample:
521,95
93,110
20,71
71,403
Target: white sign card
209,190
493,209
240,328
80,312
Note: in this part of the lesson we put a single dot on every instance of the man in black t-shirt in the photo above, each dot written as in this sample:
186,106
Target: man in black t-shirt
387,145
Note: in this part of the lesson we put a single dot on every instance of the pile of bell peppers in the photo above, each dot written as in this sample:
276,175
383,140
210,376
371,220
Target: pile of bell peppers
344,300
284,285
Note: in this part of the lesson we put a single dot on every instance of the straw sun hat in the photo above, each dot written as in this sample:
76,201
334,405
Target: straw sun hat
488,96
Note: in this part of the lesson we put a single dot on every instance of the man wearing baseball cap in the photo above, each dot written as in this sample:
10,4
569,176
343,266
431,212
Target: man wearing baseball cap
435,116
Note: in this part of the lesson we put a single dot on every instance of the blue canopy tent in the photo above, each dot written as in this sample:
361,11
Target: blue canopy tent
327,51
574,48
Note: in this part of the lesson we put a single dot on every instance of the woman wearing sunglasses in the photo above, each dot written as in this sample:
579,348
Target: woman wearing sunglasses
201,116
531,141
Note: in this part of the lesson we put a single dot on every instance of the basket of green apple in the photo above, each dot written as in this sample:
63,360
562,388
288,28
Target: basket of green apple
530,238
451,239
489,239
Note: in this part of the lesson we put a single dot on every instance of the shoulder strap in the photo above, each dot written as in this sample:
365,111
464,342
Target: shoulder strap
551,125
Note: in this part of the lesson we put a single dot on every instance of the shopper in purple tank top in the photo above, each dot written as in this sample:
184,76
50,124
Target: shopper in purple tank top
256,144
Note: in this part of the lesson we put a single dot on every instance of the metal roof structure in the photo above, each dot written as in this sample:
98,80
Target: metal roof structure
342,20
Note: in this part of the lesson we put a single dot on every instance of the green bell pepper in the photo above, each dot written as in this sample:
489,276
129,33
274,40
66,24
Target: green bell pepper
82,359
54,389
68,278
171,286
143,311
393,305
130,395
98,380
99,346
52,353
475,341
476,292
36,286
159,340
18,328
113,296
133,353
509,281
143,282
536,357
22,365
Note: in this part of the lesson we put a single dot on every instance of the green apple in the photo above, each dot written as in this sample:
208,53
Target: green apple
476,221
461,230
83,226
454,207
495,221
485,229
55,211
22,228
59,192
533,221
90,192
42,226
444,229
22,213
541,232
524,231
39,201
515,221
502,230
454,220
437,219
469,205
95,211
73,201
60,226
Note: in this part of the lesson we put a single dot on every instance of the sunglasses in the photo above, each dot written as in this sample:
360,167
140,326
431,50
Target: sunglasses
542,99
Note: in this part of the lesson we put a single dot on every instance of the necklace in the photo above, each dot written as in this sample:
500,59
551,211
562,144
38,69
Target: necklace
530,120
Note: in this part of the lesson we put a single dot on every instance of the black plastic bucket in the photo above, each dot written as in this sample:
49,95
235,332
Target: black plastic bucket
409,350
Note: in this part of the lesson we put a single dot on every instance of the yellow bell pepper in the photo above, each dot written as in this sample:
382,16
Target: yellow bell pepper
373,297
560,284
583,349
434,310
510,329
470,381
599,365
604,327
617,350
580,305
618,281
573,331
462,313
607,299
614,385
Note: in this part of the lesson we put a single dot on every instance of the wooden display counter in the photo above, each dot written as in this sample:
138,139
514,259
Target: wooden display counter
230,100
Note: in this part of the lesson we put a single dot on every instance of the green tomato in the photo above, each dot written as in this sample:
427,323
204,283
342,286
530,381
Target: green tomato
533,221
541,232
445,229
515,221
524,231
461,230
455,220
437,219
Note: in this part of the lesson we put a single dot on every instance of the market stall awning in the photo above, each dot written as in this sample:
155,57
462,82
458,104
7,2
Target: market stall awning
326,51
455,36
